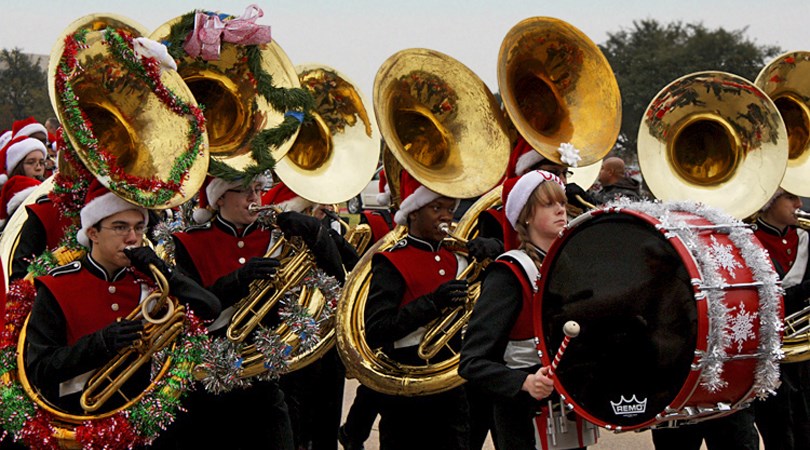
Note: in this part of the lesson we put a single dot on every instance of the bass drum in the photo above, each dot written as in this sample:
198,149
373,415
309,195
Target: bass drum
679,309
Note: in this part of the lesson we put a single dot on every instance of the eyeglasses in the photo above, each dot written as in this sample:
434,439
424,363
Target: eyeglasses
560,172
257,191
123,230
34,162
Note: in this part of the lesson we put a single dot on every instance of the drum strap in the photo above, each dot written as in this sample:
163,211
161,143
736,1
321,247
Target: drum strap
796,273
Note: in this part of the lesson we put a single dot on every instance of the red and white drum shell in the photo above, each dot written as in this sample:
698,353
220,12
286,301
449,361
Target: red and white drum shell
680,314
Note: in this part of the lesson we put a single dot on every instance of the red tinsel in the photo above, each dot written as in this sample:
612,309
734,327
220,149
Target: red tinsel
112,433
38,432
19,299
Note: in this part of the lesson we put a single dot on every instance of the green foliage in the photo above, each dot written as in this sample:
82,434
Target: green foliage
23,89
650,55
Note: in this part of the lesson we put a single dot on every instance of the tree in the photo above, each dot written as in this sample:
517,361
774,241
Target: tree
23,89
650,55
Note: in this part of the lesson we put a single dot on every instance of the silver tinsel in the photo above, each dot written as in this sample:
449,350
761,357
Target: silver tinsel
766,377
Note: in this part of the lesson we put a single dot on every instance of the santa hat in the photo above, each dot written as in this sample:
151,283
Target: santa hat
5,137
523,189
100,203
27,127
384,195
773,198
14,192
412,197
280,195
523,158
17,149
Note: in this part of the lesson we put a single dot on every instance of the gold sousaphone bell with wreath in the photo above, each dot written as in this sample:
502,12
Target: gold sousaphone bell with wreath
441,124
786,80
136,127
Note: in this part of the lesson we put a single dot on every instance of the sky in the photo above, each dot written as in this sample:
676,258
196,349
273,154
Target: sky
356,36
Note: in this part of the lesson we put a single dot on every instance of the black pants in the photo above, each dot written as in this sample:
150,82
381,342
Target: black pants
438,421
482,419
235,420
734,432
315,399
784,419
362,414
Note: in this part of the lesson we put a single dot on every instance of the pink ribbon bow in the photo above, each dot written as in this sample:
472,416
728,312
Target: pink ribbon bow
209,32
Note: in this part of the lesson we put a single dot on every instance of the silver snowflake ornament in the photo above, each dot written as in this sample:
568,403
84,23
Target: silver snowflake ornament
742,326
723,257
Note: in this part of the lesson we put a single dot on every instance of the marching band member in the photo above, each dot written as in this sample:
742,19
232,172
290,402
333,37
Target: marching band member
783,419
225,255
24,165
499,354
315,392
410,285
75,324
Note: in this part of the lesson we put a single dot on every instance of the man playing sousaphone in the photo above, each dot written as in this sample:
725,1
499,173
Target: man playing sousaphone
410,286
76,323
225,254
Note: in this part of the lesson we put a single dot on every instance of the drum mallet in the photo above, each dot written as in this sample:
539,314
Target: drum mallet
571,330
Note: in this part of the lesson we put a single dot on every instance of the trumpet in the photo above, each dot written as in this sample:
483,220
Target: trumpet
442,330
158,333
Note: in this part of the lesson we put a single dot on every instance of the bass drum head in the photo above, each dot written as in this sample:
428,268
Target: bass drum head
630,292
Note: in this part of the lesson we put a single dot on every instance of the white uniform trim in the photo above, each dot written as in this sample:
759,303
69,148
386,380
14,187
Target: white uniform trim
521,354
796,273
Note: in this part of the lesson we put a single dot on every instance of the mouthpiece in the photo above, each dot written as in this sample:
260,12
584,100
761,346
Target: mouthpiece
802,214
444,228
253,207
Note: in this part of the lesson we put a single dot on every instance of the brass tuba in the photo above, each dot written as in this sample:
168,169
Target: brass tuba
558,87
442,125
785,81
716,137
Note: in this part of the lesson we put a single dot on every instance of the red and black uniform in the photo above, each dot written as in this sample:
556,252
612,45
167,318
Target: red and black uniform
398,308
783,419
380,222
43,230
499,350
73,304
211,254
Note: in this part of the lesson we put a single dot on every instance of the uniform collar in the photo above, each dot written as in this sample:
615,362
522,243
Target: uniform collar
424,244
232,229
770,229
98,270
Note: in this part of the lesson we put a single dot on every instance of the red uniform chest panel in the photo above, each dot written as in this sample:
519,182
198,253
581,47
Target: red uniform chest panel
90,303
523,327
379,227
53,222
216,253
782,249
422,270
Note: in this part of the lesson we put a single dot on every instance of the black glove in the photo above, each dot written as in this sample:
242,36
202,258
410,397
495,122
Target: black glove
121,334
296,224
142,257
482,248
573,190
449,294
257,268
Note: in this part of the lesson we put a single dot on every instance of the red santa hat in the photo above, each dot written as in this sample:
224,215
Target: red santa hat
27,127
100,203
522,158
5,137
280,195
14,192
519,195
384,195
412,196
17,149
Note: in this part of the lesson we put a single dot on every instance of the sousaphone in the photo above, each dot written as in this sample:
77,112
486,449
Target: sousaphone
441,124
134,124
558,87
713,137
239,102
